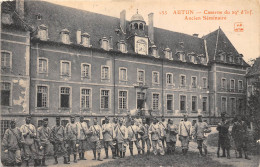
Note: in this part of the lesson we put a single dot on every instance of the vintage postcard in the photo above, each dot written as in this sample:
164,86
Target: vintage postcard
130,83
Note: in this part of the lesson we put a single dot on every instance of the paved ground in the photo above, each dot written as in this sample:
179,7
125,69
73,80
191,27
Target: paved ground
193,147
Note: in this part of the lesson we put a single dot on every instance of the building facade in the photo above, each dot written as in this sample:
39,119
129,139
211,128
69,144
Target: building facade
58,61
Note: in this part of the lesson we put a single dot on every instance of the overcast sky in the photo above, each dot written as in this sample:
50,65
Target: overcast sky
246,42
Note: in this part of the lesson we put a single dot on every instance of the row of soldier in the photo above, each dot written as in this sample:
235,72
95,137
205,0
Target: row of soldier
73,138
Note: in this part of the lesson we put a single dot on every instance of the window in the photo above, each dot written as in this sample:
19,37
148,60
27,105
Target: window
122,74
155,101
232,84
240,106
240,85
155,52
204,83
122,47
222,57
204,103
65,37
64,97
168,53
141,26
192,58
169,102
122,103
105,44
5,93
42,96
182,57
231,59
4,127
140,76
85,98
194,103
169,79
183,103
86,71
194,82
43,65
155,77
183,80
223,104
65,68
85,39
105,72
233,106
104,99
43,32
5,59
223,83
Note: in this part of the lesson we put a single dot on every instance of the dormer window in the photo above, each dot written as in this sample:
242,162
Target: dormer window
231,59
85,37
42,32
222,57
202,58
154,51
105,43
122,46
65,37
182,57
141,26
192,58
168,53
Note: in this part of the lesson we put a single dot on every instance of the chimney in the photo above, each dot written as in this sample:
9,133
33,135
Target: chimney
195,35
19,7
123,21
150,27
78,36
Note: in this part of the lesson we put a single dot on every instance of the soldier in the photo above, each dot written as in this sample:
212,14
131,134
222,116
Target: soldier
96,136
163,126
58,139
144,132
29,133
132,132
121,136
240,136
155,132
12,143
200,128
172,131
83,132
71,131
185,133
115,124
224,138
109,136
43,136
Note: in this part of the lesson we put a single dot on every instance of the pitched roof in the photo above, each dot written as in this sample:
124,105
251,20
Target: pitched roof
255,69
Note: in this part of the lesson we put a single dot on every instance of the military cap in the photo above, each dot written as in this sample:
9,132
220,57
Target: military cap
121,119
12,121
45,119
57,118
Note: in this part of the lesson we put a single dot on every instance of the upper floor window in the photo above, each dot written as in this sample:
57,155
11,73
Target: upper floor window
105,44
43,65
168,53
155,101
65,68
65,37
192,58
140,76
122,100
42,32
122,46
169,102
222,57
6,59
223,104
105,72
223,83
155,77
65,97
240,85
85,98
204,103
42,96
232,84
85,39
154,51
5,93
194,82
182,80
231,58
122,74
183,103
194,103
104,103
182,57
86,70
169,78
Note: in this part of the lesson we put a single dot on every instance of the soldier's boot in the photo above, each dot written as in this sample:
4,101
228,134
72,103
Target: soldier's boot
206,151
19,164
83,156
246,156
123,154
99,157
36,162
224,153
69,158
56,160
183,151
148,152
139,152
143,151
80,156
106,150
131,151
200,149
228,153
113,155
66,161
95,156
75,158
240,154
43,162
26,163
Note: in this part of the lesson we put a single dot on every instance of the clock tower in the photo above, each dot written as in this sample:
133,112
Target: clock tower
137,30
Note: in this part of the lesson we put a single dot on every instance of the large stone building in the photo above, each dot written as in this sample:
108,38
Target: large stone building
58,61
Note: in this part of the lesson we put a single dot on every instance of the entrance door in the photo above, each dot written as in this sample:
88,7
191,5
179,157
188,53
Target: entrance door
140,100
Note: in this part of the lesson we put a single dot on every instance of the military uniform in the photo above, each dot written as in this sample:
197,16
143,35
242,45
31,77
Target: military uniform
132,132
11,144
121,136
71,132
172,131
83,131
108,135
145,138
163,126
95,139
240,136
224,137
156,135
184,135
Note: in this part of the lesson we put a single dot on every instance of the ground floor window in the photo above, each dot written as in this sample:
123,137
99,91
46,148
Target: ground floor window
155,101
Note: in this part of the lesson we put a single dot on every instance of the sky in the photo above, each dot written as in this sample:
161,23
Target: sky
182,16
